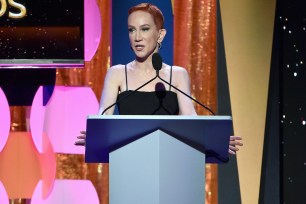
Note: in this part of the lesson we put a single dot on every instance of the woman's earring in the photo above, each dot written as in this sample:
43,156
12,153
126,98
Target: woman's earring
159,45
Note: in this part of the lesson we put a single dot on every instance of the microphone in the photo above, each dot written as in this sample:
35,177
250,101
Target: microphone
157,64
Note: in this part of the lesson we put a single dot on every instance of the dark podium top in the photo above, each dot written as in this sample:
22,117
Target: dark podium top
208,134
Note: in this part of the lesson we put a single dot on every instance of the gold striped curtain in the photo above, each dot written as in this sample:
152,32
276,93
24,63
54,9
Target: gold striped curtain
194,49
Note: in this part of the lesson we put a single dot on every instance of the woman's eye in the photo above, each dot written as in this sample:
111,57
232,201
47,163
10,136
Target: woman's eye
131,30
145,29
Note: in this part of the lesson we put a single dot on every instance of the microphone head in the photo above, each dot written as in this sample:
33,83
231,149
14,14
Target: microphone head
157,61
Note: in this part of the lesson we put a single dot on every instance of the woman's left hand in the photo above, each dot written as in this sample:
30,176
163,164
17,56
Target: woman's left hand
234,141
81,139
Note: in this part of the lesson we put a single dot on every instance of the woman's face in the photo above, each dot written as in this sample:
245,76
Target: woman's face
143,34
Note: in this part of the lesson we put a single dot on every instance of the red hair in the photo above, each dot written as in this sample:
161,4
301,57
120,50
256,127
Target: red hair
151,9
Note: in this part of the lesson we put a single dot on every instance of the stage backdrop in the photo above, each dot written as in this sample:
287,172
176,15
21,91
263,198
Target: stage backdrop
194,47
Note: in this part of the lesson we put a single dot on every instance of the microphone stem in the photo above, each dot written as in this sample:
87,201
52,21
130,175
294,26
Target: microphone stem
157,76
186,94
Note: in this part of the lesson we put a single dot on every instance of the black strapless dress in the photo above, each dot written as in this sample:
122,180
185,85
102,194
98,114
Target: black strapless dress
148,103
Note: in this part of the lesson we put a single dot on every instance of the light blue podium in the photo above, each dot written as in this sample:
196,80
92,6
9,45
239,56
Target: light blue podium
157,159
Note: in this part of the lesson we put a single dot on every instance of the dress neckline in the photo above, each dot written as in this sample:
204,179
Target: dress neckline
168,91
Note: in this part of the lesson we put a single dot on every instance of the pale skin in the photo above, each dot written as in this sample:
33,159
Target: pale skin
144,37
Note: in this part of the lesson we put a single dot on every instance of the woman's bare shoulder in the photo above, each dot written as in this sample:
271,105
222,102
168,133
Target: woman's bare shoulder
116,68
119,68
116,71
179,71
115,74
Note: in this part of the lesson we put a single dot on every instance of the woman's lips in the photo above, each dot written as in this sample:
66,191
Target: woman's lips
139,47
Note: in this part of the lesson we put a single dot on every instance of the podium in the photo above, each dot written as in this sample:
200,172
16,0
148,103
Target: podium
157,159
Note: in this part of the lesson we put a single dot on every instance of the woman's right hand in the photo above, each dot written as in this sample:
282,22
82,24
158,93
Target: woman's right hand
81,139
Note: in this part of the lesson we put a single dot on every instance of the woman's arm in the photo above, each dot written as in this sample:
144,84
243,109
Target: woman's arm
182,82
112,82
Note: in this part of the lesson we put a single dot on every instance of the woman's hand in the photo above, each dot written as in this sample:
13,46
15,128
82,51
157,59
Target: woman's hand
234,141
81,139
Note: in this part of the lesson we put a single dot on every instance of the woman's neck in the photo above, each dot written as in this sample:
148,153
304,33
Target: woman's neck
145,66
